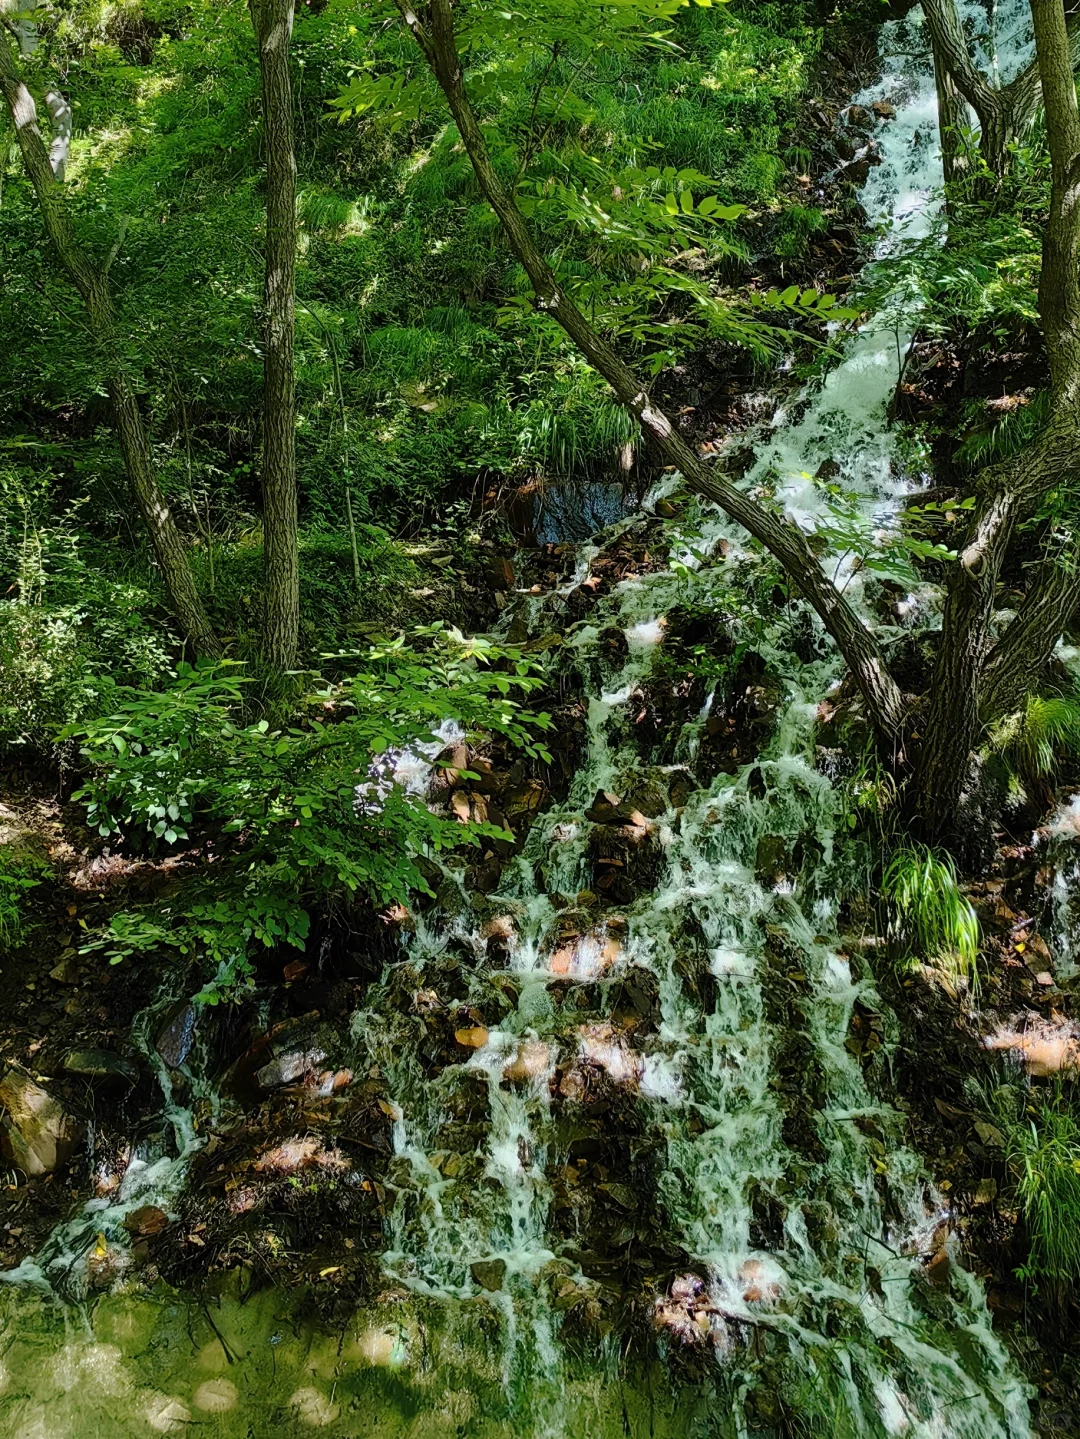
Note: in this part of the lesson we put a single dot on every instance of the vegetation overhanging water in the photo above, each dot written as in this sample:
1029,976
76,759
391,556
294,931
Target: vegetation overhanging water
826,1315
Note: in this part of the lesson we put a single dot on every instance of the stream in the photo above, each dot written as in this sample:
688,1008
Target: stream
800,1302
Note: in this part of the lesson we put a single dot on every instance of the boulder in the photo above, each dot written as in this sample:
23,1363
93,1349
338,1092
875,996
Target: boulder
36,1134
499,573
148,1219
489,1273
67,971
101,1066
177,1036
289,1067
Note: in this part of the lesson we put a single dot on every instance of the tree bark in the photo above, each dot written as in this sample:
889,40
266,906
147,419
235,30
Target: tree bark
92,284
952,123
1004,112
273,20
885,704
1012,491
1020,657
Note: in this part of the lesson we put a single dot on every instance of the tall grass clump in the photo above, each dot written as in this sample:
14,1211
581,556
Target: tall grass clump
1035,737
1042,1150
928,910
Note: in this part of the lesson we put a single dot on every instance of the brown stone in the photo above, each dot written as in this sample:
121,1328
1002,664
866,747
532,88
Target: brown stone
489,1273
146,1220
37,1135
499,573
474,1038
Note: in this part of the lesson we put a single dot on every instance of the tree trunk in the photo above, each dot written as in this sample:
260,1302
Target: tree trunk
952,123
272,21
91,282
1021,655
786,542
1004,112
1012,491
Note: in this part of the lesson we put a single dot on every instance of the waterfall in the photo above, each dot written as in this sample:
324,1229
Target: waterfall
801,1231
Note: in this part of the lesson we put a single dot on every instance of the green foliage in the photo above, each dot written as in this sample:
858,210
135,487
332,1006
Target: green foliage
69,625
975,277
19,873
928,911
1006,434
1035,738
300,814
639,132
1042,1150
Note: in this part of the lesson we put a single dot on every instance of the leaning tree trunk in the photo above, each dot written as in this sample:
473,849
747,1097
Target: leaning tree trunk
969,674
272,20
91,281
1004,112
885,704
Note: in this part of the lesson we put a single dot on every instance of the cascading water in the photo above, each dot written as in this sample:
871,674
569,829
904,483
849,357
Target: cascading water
799,1228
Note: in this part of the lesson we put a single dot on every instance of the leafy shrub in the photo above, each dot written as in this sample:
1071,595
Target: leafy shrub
301,814
19,873
57,661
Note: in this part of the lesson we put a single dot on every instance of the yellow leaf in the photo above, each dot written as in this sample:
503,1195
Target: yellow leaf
333,1269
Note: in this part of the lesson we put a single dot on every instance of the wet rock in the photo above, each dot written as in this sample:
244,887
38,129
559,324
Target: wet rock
985,1192
627,860
883,110
860,116
530,1061
608,808
648,798
681,785
604,808
176,1038
614,642
146,1221
499,573
37,1136
1045,1047
686,1315
488,780
300,1152
289,1068
937,1269
858,171
483,878
102,1065
215,1396
771,859
489,1273
473,1038
757,1286
67,971
525,799
449,764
